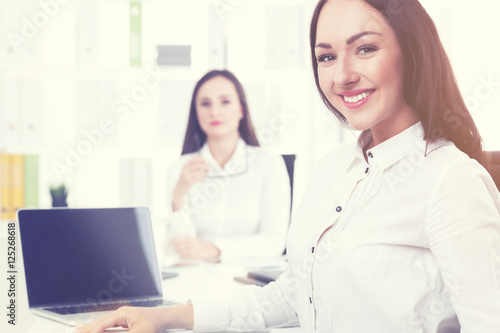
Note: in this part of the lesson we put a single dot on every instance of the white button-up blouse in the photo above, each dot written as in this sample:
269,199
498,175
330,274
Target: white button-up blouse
405,241
243,208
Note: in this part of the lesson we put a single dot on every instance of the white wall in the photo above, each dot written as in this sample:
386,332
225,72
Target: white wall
85,44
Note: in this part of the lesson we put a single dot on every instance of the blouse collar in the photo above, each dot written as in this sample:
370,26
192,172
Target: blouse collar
235,165
391,151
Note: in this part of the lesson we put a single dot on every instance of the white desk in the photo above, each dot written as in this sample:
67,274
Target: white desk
204,281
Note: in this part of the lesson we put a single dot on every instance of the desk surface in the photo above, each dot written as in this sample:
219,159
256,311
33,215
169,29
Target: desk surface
203,281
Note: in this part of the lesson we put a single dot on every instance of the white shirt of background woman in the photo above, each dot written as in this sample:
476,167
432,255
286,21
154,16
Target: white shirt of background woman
243,208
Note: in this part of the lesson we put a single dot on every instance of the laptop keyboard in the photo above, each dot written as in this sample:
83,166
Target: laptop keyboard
107,306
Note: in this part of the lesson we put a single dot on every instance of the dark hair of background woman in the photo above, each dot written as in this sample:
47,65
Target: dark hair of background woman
195,137
430,86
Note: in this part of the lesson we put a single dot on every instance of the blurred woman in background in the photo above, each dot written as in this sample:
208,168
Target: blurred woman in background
227,197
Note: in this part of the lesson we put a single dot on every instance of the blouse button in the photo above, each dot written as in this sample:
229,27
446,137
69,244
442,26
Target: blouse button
367,169
370,155
338,209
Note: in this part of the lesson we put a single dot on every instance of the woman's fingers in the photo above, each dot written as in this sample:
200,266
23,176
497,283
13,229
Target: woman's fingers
197,162
130,317
192,172
183,246
195,170
194,248
116,318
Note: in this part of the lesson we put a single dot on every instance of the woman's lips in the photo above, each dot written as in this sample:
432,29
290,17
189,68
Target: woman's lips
216,123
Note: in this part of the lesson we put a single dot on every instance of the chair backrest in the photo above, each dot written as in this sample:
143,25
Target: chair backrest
290,164
495,167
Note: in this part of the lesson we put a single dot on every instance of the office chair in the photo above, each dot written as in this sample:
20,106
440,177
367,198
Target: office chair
495,167
290,164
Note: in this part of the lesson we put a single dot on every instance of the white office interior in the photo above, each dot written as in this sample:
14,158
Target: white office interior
99,90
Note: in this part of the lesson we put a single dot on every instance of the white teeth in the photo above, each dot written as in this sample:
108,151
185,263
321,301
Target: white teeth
355,99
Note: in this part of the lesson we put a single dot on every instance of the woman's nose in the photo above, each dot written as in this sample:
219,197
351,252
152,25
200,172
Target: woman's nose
214,110
344,73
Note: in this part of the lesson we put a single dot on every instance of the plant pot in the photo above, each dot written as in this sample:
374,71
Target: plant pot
59,203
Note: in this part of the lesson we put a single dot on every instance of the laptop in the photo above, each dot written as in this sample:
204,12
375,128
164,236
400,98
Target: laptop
81,264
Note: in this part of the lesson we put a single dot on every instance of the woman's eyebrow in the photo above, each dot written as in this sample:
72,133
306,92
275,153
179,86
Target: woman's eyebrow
350,40
358,36
324,45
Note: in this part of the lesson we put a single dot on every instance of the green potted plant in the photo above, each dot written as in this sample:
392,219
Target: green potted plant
59,195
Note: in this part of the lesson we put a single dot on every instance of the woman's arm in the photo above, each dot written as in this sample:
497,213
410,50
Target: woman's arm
180,178
252,308
192,172
463,228
143,320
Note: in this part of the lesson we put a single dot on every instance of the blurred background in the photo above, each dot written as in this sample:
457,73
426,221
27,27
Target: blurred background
95,94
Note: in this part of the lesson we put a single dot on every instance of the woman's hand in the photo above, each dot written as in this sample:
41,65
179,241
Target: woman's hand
195,248
143,320
193,171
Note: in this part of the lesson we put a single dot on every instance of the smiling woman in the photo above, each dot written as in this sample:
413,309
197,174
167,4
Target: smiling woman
408,56
397,233
361,74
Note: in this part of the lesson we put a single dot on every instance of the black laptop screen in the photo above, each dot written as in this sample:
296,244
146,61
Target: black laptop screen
88,255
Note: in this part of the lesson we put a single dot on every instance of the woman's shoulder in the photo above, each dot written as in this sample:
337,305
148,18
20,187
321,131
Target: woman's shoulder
262,155
456,169
447,157
459,188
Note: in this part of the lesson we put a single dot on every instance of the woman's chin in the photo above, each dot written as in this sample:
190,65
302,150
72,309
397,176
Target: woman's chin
222,134
356,120
359,124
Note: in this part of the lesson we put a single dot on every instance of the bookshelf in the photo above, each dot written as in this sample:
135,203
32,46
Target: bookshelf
65,89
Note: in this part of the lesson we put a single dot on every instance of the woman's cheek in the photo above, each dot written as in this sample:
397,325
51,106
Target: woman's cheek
323,82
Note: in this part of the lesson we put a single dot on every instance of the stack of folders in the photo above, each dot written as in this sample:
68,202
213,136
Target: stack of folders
18,183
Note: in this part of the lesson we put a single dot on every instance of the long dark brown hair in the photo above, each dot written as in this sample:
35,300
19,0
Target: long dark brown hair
430,87
195,137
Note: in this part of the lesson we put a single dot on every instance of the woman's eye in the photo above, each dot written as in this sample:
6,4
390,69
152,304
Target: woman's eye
366,49
226,102
326,57
205,104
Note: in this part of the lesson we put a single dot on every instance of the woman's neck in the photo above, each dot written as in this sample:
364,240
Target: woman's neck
392,127
386,129
223,148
